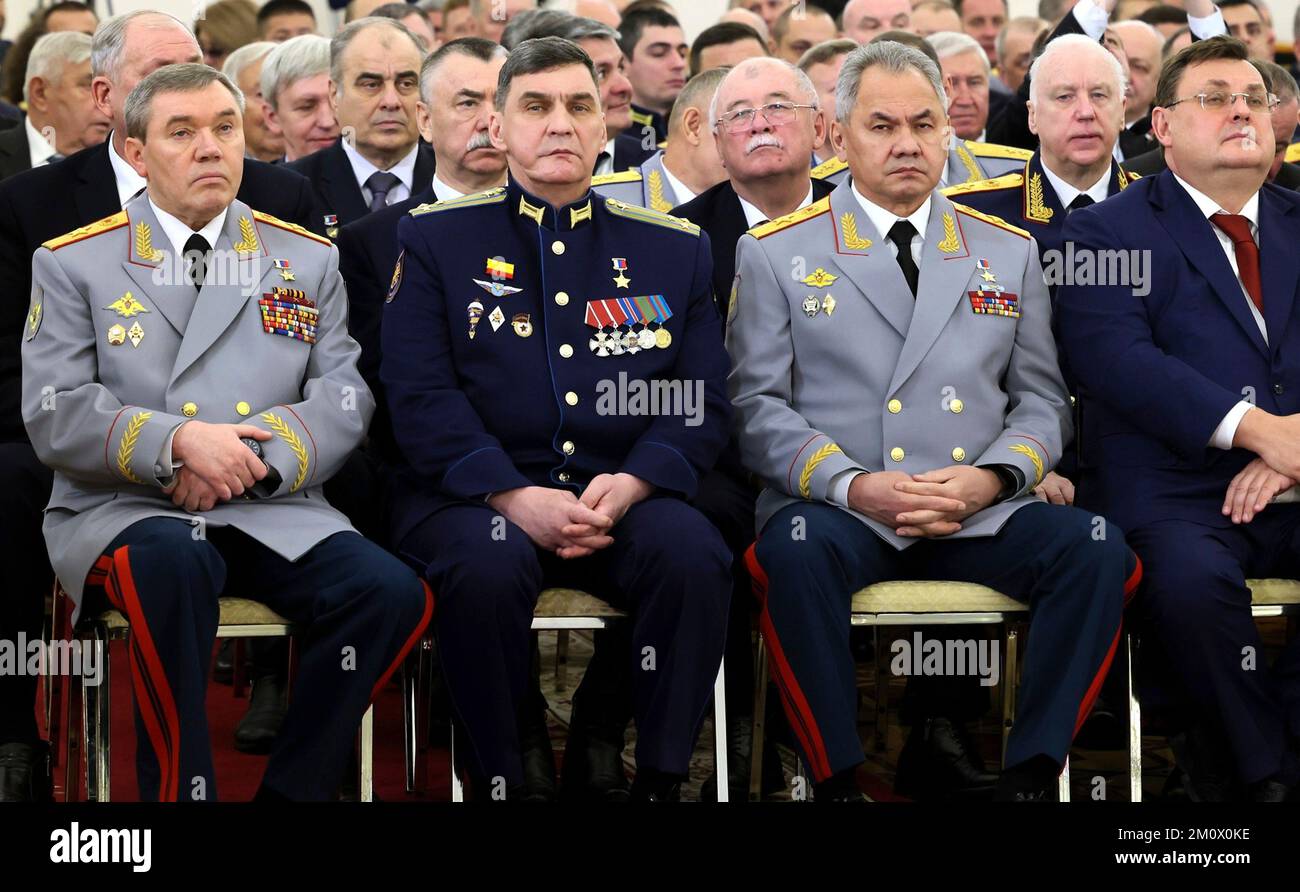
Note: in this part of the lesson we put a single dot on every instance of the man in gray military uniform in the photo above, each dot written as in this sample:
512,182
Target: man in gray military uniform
686,166
899,397
188,375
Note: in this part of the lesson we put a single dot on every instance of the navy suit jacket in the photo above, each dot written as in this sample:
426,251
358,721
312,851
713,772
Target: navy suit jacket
1159,372
337,191
520,403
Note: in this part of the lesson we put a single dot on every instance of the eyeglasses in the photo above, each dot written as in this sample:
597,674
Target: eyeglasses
775,113
1221,99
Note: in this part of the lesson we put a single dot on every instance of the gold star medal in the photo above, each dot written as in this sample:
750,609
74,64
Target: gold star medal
620,267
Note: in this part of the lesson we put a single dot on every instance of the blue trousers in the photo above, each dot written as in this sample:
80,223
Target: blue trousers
1200,640
361,611
1045,556
667,566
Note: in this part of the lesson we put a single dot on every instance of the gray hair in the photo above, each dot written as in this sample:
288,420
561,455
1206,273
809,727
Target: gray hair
951,43
1019,23
703,85
1065,44
894,57
304,56
533,23
802,83
245,56
474,47
110,39
579,29
538,55
53,52
188,77
339,45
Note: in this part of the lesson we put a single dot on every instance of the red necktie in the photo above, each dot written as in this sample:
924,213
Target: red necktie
1243,245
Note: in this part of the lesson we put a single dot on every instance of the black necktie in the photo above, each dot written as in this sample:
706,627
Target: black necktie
197,251
901,234
1082,200
380,184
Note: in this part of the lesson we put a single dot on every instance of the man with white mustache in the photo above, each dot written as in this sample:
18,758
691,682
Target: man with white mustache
766,118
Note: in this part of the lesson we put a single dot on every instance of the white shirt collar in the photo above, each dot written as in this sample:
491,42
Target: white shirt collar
443,192
1067,193
753,216
38,146
362,168
606,162
129,183
884,220
682,193
1209,206
179,233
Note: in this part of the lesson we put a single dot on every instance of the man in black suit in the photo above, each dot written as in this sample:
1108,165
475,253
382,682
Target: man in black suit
36,206
1284,116
379,160
59,106
766,160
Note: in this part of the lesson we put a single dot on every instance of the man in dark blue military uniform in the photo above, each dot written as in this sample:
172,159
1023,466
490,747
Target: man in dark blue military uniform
555,373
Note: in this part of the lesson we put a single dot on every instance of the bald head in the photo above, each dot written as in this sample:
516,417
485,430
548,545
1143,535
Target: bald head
1142,47
864,19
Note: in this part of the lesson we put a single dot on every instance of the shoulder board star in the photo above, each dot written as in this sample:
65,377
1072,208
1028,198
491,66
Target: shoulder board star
990,219
647,215
491,196
829,168
627,176
116,221
993,150
261,217
816,209
1009,181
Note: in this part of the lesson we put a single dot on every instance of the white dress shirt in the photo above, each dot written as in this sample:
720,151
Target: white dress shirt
605,163
1227,429
404,170
1092,17
683,192
1067,193
443,192
883,221
753,216
129,183
37,145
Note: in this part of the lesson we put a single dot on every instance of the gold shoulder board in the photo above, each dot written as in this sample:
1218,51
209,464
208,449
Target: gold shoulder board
289,227
608,179
816,209
646,215
829,168
990,219
993,150
116,221
1009,181
491,196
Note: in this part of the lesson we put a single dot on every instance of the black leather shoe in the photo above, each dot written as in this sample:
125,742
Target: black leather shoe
650,786
1202,755
593,771
1103,729
939,761
223,667
25,772
740,737
261,724
539,763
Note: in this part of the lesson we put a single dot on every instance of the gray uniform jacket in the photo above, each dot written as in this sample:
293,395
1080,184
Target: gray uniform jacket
119,350
836,366
646,186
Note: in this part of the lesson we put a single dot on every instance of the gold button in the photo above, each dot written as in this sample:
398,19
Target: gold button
189,410
571,398
896,453
562,299
563,476
557,247
243,408
956,406
895,407
566,351
958,454
568,447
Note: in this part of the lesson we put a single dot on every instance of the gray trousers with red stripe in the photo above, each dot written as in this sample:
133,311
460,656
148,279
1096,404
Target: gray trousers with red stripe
360,610
1046,556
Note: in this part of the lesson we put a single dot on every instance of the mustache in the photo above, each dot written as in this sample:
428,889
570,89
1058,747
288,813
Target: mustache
758,140
479,140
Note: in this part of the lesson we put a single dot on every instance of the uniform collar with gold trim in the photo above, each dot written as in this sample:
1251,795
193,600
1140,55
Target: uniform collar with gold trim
528,206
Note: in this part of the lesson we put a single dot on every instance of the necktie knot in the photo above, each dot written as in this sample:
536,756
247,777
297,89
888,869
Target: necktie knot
197,250
380,183
1082,200
1235,226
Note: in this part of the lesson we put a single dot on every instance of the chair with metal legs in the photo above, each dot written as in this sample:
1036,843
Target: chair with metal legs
87,724
919,603
558,609
1268,598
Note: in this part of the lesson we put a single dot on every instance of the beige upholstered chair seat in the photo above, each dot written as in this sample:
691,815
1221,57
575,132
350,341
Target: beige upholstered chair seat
933,597
234,612
571,602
